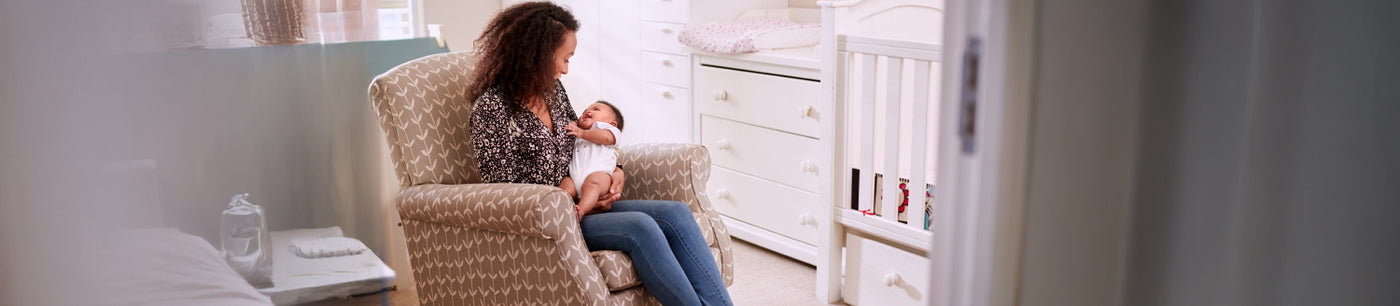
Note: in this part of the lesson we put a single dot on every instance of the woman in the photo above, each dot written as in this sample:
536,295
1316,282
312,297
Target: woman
518,129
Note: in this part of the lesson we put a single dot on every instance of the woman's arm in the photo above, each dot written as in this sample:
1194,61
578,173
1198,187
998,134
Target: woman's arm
491,137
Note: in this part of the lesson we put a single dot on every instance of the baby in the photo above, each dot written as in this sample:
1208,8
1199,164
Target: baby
595,155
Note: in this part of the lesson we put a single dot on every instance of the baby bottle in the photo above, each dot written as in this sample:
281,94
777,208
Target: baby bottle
245,241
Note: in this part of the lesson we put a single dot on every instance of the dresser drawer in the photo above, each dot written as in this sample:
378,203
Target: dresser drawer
677,11
661,37
669,69
878,274
667,109
782,103
782,157
784,210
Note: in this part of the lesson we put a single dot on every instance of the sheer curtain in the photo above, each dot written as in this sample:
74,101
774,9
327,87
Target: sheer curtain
333,21
220,23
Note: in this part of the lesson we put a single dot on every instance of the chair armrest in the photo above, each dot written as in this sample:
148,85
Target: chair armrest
666,171
481,242
678,172
524,209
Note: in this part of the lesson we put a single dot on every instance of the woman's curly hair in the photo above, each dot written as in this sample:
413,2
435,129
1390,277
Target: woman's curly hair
516,51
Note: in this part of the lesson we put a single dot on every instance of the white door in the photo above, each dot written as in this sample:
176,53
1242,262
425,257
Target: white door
976,254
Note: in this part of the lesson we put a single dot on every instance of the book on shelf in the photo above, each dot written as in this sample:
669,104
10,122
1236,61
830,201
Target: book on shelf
877,205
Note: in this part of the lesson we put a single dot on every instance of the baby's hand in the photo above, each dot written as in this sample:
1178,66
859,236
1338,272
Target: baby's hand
573,128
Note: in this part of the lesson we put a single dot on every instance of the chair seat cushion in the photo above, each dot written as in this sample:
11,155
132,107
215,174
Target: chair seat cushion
617,270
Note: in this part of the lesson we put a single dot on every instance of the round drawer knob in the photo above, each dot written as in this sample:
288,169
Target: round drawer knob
893,279
804,111
806,219
666,94
666,63
722,144
722,194
666,30
808,166
721,95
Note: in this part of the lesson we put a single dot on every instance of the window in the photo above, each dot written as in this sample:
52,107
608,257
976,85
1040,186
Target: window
322,21
396,19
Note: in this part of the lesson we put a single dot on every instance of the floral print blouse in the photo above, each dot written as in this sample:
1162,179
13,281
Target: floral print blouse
519,148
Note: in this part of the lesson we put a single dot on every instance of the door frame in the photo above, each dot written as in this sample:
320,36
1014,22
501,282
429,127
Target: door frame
976,257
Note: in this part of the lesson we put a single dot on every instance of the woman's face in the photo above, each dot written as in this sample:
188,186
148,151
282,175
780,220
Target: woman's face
562,55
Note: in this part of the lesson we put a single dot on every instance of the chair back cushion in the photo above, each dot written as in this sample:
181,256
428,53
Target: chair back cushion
424,111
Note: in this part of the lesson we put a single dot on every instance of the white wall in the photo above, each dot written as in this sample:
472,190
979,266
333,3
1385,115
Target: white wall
462,20
290,124
803,4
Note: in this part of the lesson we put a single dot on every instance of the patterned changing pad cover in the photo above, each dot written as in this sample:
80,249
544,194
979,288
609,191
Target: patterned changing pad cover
734,37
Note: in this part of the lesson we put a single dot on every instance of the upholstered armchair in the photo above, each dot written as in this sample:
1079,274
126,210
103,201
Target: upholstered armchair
475,243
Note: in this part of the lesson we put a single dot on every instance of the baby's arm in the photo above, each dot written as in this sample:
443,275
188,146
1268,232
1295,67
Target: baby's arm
598,136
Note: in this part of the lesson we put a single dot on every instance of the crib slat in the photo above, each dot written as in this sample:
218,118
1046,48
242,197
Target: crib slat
917,142
890,205
841,150
866,103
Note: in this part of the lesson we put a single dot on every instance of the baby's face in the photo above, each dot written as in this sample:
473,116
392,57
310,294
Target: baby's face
597,112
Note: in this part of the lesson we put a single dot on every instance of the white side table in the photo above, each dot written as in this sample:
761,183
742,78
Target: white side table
299,280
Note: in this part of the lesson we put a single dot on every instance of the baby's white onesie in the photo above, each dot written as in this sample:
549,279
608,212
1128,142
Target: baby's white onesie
591,157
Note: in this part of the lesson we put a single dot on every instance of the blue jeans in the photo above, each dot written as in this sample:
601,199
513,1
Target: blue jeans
666,247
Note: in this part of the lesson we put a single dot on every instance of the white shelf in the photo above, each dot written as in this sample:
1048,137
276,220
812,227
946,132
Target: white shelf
803,57
798,62
886,230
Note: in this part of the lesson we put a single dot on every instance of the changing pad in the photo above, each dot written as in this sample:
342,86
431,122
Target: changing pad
327,247
749,35
299,280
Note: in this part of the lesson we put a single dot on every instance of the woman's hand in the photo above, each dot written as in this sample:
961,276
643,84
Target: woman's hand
614,193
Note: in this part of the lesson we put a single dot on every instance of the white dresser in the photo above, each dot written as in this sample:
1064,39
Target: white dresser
759,114
665,80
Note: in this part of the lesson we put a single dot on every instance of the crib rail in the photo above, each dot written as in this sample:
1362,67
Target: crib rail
881,114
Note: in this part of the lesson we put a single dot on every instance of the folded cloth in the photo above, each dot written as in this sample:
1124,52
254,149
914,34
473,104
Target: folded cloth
327,247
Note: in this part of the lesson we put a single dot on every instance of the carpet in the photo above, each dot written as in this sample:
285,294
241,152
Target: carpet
761,277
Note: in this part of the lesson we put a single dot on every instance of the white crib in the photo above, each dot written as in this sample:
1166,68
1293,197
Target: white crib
881,73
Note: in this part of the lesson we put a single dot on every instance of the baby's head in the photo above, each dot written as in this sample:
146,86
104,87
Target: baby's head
600,111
